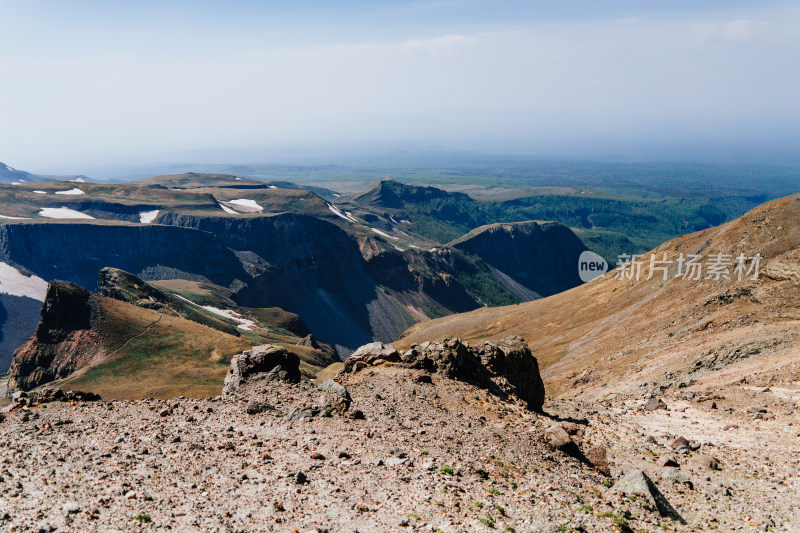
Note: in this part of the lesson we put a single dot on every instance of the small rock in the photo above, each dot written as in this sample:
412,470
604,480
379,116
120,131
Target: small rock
756,409
599,459
300,478
254,407
71,508
704,462
637,482
654,404
680,441
673,474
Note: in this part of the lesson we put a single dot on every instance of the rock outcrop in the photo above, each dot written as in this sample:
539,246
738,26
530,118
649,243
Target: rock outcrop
504,367
261,363
58,346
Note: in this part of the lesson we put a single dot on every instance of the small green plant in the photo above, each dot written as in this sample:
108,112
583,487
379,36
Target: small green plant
439,503
443,490
500,510
142,518
493,491
510,529
607,483
586,508
513,485
424,452
479,505
412,516
445,469
487,521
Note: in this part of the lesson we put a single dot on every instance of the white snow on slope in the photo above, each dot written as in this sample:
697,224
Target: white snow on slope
271,187
228,209
16,284
348,217
40,192
146,217
20,182
244,202
14,218
71,192
62,212
379,232
243,323
79,180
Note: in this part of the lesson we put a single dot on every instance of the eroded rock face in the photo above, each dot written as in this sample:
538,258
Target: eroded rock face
58,347
504,367
266,362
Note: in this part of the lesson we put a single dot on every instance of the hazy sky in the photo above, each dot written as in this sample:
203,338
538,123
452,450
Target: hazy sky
98,82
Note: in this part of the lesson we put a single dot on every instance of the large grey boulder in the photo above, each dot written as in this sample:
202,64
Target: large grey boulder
262,362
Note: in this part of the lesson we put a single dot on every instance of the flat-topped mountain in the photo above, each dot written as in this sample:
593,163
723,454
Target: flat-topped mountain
350,280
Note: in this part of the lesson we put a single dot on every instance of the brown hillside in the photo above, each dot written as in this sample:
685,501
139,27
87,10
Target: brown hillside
615,335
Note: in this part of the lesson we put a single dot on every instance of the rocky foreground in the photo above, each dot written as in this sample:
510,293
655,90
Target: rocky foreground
445,437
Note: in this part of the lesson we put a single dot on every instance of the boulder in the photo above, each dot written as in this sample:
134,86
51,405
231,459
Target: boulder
598,457
262,362
504,367
636,482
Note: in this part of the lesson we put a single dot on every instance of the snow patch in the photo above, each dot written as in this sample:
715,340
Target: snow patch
71,192
348,217
14,218
146,217
18,182
249,204
14,283
228,209
62,212
238,179
40,192
271,187
78,180
383,234
243,323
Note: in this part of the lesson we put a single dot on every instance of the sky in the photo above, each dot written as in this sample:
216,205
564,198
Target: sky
98,82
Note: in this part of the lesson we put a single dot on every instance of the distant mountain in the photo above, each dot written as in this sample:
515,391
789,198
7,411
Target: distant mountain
351,278
19,177
647,333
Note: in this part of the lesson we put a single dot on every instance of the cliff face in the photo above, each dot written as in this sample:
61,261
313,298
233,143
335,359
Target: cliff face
541,257
76,252
62,341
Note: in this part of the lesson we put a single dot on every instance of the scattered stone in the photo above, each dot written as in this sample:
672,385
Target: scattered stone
255,407
756,409
300,478
704,462
654,403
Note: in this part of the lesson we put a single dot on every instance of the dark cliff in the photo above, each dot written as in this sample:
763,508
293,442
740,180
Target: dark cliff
76,252
542,257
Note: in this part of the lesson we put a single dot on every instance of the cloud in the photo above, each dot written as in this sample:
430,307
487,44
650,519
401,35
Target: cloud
742,30
732,31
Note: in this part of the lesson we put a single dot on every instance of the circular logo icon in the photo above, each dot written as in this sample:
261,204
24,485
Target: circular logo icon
591,266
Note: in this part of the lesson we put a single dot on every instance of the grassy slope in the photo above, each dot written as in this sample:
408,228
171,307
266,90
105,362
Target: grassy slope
612,332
